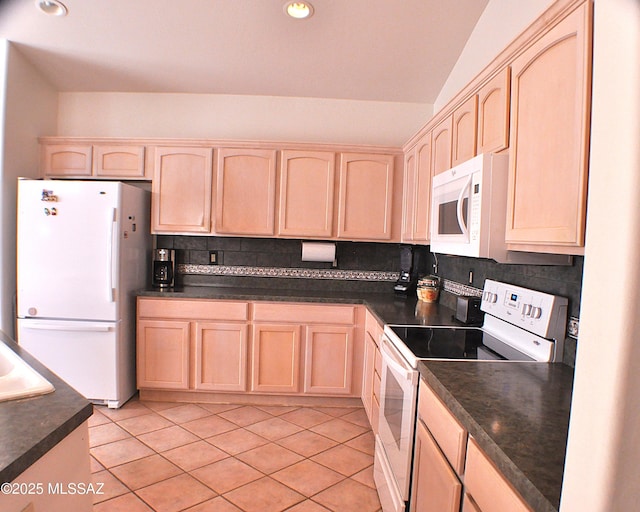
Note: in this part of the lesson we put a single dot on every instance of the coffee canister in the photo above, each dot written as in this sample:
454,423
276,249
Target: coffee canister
428,288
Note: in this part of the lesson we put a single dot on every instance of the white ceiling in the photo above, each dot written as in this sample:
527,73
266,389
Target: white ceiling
381,50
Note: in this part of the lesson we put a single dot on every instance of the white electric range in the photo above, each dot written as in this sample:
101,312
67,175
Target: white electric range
519,325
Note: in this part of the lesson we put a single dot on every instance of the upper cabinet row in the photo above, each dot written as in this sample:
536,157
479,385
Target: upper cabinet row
537,107
310,194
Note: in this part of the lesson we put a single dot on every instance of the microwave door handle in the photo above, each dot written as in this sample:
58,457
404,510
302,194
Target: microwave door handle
461,220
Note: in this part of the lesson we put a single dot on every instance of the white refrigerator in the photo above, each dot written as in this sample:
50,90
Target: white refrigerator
83,249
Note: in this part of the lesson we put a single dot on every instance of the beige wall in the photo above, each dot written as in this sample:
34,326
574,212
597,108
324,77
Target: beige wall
239,117
602,472
28,110
500,23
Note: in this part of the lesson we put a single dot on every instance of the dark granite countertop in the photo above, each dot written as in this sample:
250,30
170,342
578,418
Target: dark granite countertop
30,427
389,308
519,415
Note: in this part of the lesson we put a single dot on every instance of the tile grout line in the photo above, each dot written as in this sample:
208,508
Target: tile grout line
173,422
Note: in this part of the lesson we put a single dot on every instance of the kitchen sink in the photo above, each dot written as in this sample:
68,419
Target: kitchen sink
18,379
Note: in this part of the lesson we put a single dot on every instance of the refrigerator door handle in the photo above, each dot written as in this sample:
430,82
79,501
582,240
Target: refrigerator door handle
44,326
113,244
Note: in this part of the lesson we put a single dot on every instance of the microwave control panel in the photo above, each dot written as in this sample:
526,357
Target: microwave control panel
537,312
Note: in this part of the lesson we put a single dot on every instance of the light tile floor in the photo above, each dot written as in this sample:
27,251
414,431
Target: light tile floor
171,457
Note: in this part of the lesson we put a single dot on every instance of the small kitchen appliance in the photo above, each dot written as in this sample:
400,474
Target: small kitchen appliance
468,208
468,310
520,325
163,268
409,264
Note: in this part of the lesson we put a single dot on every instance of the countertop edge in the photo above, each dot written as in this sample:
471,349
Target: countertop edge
80,410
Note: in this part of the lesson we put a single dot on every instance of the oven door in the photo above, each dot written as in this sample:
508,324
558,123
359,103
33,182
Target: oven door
398,395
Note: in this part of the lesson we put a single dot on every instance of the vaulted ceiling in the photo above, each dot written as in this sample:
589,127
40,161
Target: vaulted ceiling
380,50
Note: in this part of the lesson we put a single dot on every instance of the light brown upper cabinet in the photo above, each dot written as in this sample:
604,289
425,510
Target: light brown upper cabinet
441,141
66,160
116,161
493,113
417,191
181,190
365,200
245,192
465,126
550,105
307,180
119,162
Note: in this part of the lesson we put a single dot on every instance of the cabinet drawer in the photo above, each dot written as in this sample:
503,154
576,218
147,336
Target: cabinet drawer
193,309
486,485
303,313
449,434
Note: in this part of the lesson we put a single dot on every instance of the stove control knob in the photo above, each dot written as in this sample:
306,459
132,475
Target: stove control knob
536,313
491,297
526,309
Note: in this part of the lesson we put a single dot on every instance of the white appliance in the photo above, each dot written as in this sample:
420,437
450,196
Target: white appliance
83,248
519,325
469,208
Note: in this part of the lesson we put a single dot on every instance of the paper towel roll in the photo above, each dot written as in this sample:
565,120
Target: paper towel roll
318,251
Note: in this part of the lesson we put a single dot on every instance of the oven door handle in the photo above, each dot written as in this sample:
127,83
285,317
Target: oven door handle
461,220
389,359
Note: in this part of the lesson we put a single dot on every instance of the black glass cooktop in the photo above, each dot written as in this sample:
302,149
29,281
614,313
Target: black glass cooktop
455,343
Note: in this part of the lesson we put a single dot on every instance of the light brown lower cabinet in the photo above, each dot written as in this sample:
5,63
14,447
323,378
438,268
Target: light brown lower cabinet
444,456
436,485
486,488
372,367
328,367
205,345
221,356
275,358
163,354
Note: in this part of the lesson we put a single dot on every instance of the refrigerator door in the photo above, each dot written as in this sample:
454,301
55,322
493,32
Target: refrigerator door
68,234
84,354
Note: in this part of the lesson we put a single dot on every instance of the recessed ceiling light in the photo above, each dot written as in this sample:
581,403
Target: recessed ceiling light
299,10
52,7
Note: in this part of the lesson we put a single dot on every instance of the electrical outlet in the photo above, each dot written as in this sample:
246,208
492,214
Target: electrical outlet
574,327
215,257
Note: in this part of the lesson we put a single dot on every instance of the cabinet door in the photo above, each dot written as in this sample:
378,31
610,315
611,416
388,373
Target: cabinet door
163,354
328,359
66,160
181,198
493,113
245,192
487,486
306,193
221,356
366,196
409,195
465,126
368,371
275,358
442,136
436,487
549,137
417,206
119,162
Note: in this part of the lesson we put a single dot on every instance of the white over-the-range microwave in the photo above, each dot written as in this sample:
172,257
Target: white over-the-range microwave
469,207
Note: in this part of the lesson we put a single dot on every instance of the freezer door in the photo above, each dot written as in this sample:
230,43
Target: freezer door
84,354
68,234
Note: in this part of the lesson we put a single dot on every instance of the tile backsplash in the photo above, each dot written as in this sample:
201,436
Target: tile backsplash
262,254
